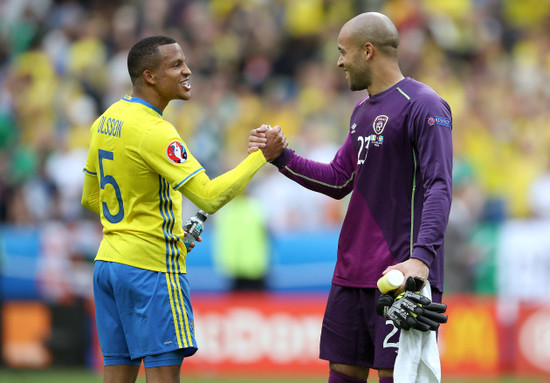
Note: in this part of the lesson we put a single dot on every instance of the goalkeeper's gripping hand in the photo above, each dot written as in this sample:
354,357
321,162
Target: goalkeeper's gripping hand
412,310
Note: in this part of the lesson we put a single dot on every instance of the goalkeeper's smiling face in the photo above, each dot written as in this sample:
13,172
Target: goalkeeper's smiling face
353,60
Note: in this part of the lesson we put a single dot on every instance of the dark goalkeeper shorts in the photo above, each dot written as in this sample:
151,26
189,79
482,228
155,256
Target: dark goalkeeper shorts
142,314
352,332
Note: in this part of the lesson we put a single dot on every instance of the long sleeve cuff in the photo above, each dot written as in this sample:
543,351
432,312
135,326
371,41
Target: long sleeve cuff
281,161
424,255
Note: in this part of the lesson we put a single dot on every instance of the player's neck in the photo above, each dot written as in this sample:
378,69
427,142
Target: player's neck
384,81
151,97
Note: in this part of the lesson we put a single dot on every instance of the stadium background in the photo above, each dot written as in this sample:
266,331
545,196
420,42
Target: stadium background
259,61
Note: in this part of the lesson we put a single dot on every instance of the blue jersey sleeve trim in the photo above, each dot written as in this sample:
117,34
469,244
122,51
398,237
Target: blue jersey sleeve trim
89,172
186,178
142,102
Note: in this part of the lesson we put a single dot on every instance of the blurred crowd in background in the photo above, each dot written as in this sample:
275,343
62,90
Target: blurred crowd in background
63,62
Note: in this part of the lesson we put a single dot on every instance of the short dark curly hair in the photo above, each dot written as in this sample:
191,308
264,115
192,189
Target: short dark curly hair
145,55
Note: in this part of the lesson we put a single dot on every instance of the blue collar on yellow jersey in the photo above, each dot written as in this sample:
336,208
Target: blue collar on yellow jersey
143,102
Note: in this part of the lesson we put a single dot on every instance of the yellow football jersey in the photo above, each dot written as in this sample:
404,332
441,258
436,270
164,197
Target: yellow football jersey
139,161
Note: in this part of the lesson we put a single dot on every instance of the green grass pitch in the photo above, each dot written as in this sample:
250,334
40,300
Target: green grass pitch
86,376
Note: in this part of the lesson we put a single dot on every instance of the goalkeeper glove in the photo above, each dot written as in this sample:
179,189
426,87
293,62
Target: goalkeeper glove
412,310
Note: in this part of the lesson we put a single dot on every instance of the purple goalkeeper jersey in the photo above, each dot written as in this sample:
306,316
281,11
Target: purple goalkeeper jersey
397,163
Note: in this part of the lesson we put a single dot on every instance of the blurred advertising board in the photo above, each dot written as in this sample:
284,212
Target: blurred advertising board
278,335
26,327
470,343
532,337
258,333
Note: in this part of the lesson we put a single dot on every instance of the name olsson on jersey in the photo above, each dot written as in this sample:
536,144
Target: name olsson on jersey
110,126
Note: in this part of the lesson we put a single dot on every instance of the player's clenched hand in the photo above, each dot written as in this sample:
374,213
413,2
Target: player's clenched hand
412,310
411,268
270,140
258,138
192,244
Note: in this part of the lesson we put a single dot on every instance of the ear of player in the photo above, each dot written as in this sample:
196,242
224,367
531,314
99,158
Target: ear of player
411,310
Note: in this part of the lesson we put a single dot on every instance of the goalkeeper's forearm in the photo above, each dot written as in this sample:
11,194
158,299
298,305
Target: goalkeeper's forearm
210,195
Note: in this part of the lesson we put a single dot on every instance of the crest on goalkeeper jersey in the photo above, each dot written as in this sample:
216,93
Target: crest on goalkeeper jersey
379,123
176,152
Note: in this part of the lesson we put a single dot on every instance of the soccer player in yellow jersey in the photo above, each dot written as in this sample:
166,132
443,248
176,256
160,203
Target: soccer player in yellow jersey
137,170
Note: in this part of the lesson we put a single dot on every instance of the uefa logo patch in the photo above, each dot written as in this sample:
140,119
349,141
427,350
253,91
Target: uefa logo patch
436,120
176,152
379,123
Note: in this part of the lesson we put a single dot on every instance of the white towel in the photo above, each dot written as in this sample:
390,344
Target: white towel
418,355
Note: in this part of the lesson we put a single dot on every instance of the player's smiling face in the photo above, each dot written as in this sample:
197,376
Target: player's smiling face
173,73
352,61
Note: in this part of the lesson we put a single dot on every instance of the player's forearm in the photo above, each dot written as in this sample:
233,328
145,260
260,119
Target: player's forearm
90,193
333,180
210,195
435,216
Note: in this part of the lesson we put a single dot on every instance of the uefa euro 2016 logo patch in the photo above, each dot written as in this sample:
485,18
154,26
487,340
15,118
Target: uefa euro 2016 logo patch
176,152
443,121
379,123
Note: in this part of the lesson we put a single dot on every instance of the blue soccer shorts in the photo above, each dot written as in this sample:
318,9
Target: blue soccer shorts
352,333
142,314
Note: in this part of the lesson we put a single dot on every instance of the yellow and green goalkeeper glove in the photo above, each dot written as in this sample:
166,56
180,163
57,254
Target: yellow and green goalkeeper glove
411,310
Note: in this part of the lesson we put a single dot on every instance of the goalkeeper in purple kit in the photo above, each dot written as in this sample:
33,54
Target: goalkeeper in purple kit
397,163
